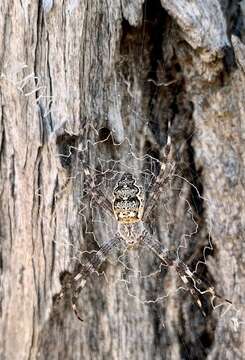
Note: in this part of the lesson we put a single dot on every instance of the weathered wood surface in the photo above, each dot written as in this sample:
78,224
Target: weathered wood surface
66,68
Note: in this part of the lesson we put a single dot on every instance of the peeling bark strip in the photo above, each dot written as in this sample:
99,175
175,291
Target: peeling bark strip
68,67
203,25
239,49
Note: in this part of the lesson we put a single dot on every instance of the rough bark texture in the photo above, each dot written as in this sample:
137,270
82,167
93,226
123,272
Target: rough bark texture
68,68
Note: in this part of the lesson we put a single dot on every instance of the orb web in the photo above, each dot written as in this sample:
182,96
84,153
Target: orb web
99,165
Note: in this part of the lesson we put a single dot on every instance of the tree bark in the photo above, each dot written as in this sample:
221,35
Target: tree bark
78,78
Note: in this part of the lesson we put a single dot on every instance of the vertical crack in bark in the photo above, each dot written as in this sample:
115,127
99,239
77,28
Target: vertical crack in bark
12,178
38,198
37,289
2,143
38,41
10,216
42,231
53,242
53,257
32,343
5,36
46,126
200,345
50,84
156,16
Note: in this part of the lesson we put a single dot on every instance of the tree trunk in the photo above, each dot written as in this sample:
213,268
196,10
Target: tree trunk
93,85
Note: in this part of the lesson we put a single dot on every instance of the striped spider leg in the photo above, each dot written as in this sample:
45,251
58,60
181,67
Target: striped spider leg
78,282
168,257
98,196
93,265
163,178
189,279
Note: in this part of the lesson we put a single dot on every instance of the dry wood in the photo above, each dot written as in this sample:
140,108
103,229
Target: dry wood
67,68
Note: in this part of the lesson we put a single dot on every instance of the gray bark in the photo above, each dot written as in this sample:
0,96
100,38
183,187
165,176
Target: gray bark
71,74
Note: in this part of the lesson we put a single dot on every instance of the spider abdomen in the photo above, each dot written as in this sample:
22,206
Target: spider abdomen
127,204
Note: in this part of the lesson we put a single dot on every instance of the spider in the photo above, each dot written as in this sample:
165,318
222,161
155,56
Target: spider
131,212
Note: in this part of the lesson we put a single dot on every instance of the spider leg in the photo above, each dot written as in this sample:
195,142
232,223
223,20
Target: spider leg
97,194
164,176
190,280
97,259
102,201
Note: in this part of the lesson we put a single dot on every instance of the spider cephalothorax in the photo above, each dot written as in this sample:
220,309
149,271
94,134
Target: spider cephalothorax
128,202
